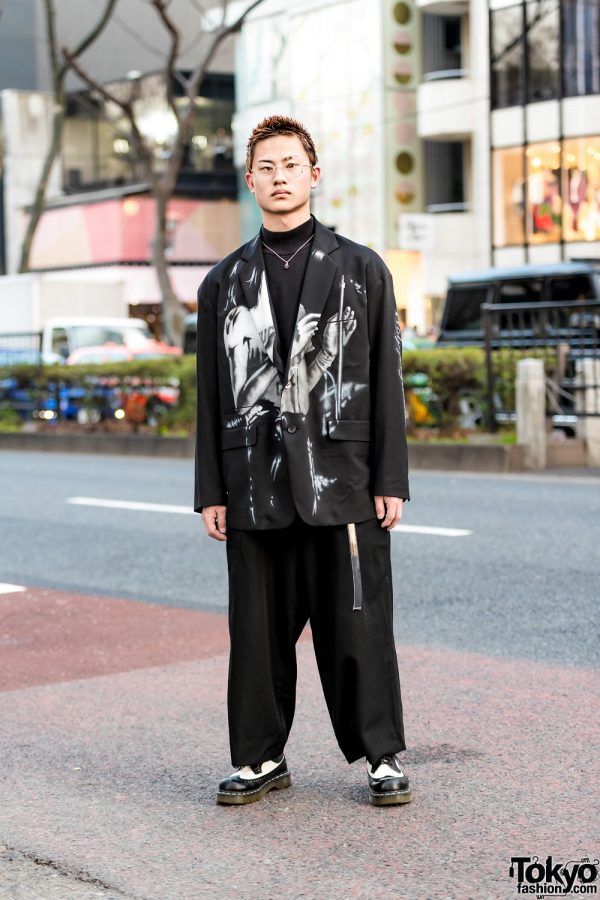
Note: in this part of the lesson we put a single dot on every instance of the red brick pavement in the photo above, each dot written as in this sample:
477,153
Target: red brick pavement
113,737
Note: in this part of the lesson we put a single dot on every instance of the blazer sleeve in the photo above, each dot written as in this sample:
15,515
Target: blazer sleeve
389,450
209,488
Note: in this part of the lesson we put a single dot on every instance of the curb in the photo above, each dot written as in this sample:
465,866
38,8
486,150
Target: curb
119,444
423,455
467,457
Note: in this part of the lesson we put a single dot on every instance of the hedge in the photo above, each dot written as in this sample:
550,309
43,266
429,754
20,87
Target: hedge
449,372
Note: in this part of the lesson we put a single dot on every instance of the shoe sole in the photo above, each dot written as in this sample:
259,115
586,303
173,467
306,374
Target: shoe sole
391,798
234,798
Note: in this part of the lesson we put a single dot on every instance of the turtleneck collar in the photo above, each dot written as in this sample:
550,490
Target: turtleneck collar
291,238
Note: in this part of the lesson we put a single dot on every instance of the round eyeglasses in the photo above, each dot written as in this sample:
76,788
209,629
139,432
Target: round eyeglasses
290,169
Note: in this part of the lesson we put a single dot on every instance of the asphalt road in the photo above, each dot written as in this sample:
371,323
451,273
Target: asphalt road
523,583
113,672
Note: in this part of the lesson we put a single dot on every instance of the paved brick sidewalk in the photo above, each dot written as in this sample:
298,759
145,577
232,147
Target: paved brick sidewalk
114,736
22,878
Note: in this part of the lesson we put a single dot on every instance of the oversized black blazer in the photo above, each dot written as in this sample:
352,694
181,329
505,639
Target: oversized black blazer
320,433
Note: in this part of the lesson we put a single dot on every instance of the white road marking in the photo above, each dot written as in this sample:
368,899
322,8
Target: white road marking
130,504
10,588
431,529
187,510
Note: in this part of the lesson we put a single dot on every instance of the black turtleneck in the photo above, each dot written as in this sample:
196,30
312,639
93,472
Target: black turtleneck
284,284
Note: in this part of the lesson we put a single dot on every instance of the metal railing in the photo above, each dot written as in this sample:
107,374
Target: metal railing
20,393
565,335
20,347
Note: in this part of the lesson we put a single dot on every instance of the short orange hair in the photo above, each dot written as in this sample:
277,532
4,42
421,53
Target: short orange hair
279,125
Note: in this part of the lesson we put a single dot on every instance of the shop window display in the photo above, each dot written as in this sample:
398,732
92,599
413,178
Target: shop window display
508,197
544,202
581,189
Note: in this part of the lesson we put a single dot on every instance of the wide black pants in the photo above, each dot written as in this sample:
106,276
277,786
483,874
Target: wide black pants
278,580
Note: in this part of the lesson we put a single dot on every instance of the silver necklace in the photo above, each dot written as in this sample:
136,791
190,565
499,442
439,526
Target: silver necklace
288,261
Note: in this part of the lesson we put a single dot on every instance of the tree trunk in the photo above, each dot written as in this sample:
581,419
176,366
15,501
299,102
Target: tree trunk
173,314
40,195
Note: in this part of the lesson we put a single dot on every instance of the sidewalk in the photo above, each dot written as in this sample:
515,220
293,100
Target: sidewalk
114,737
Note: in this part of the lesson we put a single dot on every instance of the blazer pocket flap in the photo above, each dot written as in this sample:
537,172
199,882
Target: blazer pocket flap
349,429
238,437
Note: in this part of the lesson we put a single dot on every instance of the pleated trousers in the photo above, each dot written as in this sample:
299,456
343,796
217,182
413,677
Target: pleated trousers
280,579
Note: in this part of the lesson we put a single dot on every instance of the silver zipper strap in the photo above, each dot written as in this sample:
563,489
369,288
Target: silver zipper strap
354,558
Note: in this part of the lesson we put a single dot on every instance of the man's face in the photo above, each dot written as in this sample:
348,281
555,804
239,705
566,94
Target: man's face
280,192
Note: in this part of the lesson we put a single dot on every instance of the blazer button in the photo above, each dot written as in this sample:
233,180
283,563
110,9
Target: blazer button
288,385
292,428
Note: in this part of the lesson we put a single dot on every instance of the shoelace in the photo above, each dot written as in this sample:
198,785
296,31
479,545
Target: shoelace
391,761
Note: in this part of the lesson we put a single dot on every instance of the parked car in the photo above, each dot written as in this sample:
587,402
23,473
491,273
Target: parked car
112,352
66,336
461,323
189,333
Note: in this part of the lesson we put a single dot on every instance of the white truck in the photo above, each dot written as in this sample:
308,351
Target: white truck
28,301
58,314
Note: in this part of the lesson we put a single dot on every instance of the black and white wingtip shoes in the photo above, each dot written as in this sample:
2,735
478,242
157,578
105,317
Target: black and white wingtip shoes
250,783
388,785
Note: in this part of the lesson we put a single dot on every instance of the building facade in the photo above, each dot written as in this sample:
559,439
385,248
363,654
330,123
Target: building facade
99,216
395,96
453,134
545,130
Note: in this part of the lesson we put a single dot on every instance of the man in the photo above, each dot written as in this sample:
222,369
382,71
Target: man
301,468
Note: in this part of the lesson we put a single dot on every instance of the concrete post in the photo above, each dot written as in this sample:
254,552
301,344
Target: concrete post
587,372
531,411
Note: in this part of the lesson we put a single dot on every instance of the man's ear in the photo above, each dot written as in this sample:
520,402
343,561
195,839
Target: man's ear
249,181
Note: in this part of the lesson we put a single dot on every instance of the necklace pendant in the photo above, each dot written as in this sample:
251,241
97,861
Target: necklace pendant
287,265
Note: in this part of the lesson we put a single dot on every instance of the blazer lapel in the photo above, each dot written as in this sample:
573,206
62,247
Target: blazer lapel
318,279
255,291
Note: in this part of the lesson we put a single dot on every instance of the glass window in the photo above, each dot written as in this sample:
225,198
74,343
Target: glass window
581,189
529,290
444,176
581,47
60,342
543,193
507,57
442,50
573,287
542,50
99,151
463,311
508,197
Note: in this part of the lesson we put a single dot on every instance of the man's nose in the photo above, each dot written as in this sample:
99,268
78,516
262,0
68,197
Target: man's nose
279,175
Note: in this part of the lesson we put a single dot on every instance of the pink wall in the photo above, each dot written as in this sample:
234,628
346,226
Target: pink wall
120,230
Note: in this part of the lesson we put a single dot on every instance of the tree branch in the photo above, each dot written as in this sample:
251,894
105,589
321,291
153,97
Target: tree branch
59,73
51,30
218,37
123,25
199,8
126,106
540,14
161,8
94,33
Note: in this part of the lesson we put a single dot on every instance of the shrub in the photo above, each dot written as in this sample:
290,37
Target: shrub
450,373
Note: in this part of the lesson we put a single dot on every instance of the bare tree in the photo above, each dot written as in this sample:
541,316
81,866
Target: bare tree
59,69
162,178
